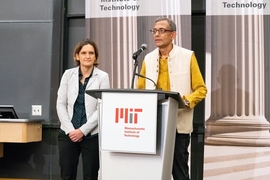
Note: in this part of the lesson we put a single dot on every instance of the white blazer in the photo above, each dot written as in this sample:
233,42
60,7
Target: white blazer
67,95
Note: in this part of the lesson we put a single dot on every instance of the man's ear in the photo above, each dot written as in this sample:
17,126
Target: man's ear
173,35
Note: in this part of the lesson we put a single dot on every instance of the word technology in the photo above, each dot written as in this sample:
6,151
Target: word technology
119,8
244,5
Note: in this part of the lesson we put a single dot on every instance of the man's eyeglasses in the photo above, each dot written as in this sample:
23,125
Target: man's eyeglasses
160,31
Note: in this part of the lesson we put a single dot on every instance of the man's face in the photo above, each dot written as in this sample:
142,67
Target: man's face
163,40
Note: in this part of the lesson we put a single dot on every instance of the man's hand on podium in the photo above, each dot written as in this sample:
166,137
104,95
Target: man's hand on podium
187,103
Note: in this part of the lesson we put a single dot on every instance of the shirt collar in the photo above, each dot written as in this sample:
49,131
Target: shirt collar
80,73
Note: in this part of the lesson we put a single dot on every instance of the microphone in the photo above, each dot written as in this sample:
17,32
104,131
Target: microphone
137,53
137,74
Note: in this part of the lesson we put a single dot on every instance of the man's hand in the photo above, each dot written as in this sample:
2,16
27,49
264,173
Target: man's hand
187,104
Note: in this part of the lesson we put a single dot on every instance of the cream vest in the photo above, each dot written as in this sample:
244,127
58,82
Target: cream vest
179,73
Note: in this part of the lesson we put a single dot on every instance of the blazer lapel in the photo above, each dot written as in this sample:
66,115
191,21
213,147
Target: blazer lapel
75,84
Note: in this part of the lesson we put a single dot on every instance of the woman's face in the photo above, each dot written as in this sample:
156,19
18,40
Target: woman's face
86,56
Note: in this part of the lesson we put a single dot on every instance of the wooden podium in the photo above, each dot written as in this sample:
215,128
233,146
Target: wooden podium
136,133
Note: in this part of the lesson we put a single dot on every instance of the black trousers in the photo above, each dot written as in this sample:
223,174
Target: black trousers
69,153
180,169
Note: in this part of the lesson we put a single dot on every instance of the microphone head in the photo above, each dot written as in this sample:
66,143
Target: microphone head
144,46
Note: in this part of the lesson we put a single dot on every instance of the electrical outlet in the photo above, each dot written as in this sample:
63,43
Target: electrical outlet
36,110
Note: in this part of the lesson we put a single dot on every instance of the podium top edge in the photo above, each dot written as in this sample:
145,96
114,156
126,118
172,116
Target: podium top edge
97,93
132,90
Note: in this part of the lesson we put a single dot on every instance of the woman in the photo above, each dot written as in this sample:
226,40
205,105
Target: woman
78,114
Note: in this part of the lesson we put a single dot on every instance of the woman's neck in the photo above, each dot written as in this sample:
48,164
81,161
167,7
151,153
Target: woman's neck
86,71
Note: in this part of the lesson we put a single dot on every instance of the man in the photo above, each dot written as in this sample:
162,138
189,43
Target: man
174,68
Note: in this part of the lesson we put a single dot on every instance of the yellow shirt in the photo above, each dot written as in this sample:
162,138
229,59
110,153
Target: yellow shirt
163,76
163,82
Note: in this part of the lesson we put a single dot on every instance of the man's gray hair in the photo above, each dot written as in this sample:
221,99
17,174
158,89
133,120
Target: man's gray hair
171,22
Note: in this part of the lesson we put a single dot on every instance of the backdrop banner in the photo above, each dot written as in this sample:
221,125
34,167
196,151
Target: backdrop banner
237,138
120,27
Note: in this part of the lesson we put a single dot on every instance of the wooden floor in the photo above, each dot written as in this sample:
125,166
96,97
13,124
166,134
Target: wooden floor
236,162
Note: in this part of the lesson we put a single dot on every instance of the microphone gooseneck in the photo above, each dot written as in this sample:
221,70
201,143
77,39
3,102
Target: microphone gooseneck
137,74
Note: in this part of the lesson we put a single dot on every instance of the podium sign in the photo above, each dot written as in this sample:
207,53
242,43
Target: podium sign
128,122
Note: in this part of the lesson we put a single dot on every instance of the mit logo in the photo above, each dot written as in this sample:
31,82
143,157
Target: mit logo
130,115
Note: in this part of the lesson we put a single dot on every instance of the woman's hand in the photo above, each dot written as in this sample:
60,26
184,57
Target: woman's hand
76,135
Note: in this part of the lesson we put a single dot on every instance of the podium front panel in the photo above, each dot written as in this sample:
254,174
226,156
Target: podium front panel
128,122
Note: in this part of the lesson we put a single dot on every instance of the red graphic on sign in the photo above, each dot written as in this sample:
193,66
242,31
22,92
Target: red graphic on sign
130,115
